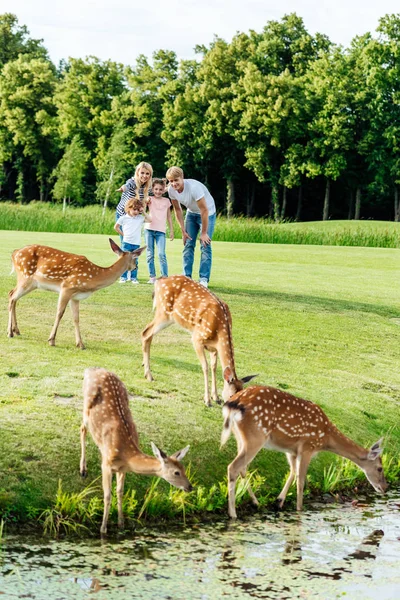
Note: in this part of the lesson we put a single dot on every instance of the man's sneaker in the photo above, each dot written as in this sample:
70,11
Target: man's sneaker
152,280
122,280
134,281
203,281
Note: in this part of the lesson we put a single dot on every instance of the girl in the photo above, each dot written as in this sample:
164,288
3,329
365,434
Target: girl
136,187
130,227
154,232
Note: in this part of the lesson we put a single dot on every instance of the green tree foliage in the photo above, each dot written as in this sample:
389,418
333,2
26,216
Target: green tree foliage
265,120
69,173
27,117
15,40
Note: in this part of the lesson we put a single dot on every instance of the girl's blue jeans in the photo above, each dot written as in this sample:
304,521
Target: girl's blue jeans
193,227
156,238
129,248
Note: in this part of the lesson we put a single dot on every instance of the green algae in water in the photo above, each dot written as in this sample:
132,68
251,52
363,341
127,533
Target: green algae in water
333,552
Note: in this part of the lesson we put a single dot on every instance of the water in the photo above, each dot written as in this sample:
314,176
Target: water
331,551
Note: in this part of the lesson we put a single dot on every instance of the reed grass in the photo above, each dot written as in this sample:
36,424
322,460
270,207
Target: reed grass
41,216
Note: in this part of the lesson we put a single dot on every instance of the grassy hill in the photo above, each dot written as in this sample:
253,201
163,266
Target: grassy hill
323,322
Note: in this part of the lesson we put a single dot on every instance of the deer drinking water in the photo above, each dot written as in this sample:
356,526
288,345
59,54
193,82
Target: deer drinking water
181,300
265,417
107,415
74,277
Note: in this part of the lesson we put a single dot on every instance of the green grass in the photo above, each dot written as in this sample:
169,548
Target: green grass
322,322
40,216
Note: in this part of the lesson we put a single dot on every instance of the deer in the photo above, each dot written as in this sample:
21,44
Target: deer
181,300
72,276
266,417
107,415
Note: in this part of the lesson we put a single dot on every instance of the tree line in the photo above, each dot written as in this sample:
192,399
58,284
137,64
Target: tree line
278,123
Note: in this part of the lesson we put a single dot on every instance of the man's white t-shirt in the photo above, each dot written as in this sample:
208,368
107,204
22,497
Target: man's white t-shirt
131,228
192,192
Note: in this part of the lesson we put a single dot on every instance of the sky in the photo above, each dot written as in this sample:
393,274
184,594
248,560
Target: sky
121,30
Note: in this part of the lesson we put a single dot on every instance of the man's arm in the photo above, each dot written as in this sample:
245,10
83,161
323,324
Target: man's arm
170,225
179,218
204,237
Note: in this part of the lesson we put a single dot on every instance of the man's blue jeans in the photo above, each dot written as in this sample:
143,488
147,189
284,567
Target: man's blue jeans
156,238
193,227
129,248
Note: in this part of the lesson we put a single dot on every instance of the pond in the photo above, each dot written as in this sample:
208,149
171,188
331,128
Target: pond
329,551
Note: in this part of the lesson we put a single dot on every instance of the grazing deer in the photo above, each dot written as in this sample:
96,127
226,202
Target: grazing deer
264,417
181,300
107,415
73,276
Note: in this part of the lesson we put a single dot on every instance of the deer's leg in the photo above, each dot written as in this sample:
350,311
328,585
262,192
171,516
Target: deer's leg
199,347
63,300
161,321
213,364
239,465
302,466
120,495
75,316
23,287
249,489
292,474
107,478
83,469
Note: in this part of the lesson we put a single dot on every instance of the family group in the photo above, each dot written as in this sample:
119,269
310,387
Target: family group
143,204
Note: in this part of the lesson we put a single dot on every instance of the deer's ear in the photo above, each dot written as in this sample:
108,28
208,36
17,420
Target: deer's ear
375,450
139,251
248,378
158,453
114,247
180,455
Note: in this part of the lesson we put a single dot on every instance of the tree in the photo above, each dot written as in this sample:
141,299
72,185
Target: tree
112,165
69,173
14,41
27,116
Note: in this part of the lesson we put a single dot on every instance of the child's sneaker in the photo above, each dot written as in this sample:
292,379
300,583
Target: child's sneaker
203,281
152,280
122,280
134,281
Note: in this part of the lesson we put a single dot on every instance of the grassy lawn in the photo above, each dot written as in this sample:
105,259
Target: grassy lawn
321,321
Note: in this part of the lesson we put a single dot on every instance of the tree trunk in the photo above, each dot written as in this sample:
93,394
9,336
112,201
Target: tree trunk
284,200
325,214
396,204
275,201
351,204
64,204
230,199
107,193
299,203
250,199
358,204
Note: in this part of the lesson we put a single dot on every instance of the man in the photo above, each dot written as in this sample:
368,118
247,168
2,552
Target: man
200,217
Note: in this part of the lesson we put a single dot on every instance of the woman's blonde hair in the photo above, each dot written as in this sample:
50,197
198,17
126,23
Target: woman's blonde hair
174,172
147,185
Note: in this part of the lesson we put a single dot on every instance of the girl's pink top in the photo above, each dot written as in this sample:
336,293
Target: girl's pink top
158,209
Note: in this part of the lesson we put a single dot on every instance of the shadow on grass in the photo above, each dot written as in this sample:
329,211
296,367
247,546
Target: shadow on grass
314,302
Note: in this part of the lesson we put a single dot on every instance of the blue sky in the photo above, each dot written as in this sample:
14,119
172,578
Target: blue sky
121,29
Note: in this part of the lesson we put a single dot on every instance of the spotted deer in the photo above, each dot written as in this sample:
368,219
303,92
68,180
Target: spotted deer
181,300
72,276
265,417
107,415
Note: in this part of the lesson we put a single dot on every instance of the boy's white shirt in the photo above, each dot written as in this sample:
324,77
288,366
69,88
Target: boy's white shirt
193,191
131,228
